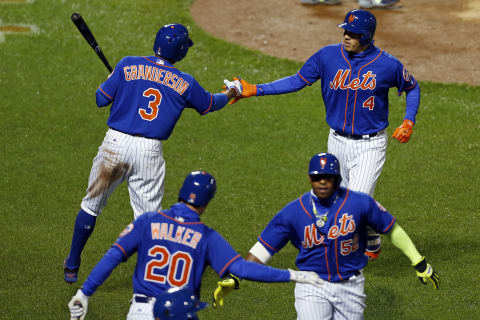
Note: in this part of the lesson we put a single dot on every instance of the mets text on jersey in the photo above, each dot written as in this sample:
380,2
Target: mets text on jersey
340,81
181,235
151,73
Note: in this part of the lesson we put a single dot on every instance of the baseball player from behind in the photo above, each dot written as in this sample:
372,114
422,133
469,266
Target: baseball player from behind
148,95
355,79
173,249
328,226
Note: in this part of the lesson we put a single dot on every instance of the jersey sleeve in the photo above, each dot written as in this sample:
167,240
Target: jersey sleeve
403,80
379,218
311,71
220,254
110,86
276,234
199,99
129,239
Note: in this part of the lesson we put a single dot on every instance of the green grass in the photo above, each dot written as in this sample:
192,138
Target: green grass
258,150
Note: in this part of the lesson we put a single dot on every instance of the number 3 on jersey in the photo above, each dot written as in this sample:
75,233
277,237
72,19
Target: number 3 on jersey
151,114
179,266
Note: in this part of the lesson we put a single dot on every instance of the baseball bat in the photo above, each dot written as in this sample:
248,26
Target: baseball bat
87,34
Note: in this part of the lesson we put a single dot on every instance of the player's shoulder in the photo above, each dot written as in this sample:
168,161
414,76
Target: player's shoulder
329,50
358,196
293,206
390,57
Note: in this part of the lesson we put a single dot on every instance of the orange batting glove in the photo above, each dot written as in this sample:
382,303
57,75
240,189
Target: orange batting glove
248,90
403,133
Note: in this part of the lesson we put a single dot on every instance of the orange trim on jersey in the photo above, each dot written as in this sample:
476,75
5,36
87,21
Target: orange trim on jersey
210,106
303,207
180,222
227,265
390,225
411,87
121,249
326,261
161,65
263,241
358,76
308,82
336,240
349,80
105,93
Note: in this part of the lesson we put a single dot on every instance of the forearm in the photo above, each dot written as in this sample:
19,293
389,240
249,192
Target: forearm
402,241
412,103
258,272
284,85
102,270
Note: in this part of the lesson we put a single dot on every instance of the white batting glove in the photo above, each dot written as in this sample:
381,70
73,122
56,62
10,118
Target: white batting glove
305,277
235,85
78,306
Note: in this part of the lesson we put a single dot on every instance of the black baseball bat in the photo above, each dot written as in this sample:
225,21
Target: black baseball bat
87,34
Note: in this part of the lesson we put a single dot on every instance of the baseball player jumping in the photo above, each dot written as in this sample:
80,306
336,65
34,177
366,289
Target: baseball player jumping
173,249
148,95
328,226
355,80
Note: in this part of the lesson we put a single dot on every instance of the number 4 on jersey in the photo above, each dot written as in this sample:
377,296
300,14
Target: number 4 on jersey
369,103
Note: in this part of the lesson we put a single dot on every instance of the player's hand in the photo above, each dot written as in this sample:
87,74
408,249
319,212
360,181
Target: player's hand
425,272
235,85
403,133
305,277
248,90
224,288
78,306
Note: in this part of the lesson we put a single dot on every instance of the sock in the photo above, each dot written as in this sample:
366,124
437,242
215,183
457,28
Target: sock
84,225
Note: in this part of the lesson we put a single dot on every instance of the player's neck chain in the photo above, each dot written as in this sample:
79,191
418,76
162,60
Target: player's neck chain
321,218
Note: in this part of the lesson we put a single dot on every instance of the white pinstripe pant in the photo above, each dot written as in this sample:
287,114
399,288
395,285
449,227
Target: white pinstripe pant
332,301
125,157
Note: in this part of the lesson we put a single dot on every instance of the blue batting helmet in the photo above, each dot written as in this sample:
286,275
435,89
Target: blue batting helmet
361,22
325,163
198,188
177,304
172,42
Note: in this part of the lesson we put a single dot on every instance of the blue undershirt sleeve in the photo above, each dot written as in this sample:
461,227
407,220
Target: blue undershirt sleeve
219,101
102,270
102,100
284,85
412,103
258,272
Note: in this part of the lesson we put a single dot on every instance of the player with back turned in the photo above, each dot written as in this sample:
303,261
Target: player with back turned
147,95
173,249
328,225
355,80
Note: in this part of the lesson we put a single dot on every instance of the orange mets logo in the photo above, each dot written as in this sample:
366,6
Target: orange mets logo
368,81
351,18
323,162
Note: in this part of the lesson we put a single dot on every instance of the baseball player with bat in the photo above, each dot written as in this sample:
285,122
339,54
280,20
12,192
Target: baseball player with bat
328,226
355,79
173,249
147,96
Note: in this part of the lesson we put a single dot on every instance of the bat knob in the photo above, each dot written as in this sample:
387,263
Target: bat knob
76,16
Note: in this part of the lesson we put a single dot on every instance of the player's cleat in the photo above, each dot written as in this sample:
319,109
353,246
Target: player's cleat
321,1
369,4
373,255
70,275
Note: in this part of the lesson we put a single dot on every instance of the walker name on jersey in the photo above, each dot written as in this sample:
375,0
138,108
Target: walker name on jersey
310,234
158,75
368,81
175,233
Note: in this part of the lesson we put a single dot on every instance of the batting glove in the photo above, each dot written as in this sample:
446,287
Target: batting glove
235,85
224,288
425,272
248,90
78,306
305,277
403,133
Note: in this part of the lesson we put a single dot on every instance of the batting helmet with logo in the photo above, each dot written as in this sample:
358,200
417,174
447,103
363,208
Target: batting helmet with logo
325,164
198,188
360,22
177,304
172,42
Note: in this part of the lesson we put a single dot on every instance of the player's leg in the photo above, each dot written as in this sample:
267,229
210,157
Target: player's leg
350,302
146,180
106,174
339,147
141,308
312,303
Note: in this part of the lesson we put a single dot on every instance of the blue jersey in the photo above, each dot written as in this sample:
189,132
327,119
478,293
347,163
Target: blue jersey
355,87
335,251
149,95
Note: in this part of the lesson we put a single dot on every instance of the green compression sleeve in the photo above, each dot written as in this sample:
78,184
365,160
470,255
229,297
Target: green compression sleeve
402,241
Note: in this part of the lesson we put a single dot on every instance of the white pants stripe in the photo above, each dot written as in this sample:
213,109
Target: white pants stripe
124,157
332,301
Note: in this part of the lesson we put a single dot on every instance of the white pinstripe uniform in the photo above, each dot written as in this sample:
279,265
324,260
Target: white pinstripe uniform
138,160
